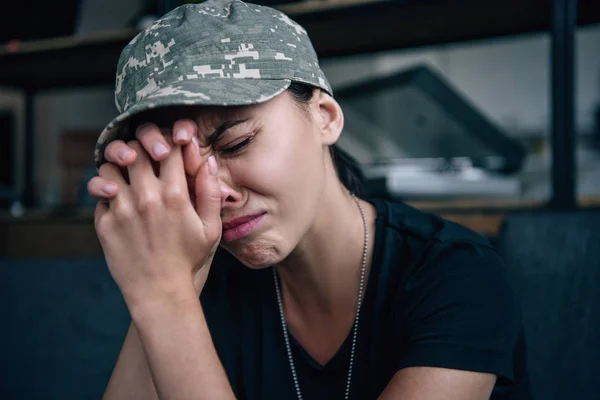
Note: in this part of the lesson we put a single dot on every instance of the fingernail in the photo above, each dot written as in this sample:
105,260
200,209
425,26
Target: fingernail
123,154
196,144
109,189
181,134
213,168
159,149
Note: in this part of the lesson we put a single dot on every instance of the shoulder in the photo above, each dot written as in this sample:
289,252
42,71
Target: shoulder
426,255
448,295
422,227
420,245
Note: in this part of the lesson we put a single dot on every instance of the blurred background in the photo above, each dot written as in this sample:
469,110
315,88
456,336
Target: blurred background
486,113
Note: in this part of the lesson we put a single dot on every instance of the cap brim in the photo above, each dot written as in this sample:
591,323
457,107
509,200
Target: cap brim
204,91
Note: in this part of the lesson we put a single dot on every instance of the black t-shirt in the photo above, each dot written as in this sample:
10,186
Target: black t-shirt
436,296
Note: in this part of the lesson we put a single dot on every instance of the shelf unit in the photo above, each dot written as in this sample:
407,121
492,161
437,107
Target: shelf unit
43,234
337,28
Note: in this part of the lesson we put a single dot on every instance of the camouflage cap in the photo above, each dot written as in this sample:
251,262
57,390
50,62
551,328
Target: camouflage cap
215,53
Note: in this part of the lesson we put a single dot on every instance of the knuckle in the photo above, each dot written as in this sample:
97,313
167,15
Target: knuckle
175,195
107,169
186,123
135,145
110,152
103,226
93,185
123,211
148,202
145,129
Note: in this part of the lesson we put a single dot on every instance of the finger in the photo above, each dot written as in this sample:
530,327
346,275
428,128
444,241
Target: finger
112,173
101,210
141,171
171,168
122,200
191,153
153,141
190,184
191,157
119,153
208,195
102,189
184,130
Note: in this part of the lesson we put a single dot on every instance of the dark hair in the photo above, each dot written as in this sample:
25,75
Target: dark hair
346,166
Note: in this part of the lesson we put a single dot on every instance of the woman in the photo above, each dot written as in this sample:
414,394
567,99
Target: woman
224,160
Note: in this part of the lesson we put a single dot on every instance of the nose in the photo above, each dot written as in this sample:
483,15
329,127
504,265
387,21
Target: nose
231,196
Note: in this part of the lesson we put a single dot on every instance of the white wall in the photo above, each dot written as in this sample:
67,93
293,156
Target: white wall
508,79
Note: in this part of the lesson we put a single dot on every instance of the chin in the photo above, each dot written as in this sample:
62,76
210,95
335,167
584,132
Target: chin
256,255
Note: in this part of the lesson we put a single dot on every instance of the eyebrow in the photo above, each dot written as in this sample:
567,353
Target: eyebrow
222,129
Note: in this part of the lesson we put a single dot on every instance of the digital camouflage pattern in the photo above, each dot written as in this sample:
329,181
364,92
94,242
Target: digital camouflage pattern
217,53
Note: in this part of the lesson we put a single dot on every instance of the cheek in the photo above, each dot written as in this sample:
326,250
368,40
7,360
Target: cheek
280,165
285,173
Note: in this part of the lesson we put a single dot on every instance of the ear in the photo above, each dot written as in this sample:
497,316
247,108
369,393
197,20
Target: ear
328,116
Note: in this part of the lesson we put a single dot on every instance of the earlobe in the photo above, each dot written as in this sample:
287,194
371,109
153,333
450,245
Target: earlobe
331,118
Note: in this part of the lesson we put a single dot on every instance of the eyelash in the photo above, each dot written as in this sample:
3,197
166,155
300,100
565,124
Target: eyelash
237,147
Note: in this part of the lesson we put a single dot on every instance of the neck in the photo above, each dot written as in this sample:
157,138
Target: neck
320,279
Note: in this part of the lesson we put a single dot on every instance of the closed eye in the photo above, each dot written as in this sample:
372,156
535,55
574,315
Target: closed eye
231,150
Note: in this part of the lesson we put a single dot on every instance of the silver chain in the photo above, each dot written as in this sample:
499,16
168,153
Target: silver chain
355,326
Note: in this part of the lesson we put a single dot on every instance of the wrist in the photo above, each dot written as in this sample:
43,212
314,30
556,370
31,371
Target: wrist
200,278
160,303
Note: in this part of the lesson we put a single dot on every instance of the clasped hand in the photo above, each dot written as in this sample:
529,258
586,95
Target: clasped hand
157,225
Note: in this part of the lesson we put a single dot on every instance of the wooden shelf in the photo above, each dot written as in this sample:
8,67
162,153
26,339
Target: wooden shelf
313,6
71,233
363,27
63,62
486,216
337,28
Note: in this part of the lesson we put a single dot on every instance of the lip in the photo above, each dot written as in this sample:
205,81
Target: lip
239,227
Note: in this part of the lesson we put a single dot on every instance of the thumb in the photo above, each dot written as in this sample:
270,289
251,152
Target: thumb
208,195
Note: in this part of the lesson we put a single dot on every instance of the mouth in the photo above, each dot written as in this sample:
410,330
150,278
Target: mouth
240,227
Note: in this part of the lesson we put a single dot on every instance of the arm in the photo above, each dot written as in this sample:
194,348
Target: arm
430,383
157,244
177,343
131,379
174,337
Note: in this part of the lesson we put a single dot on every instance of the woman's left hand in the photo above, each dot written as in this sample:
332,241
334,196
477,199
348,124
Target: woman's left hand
154,239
